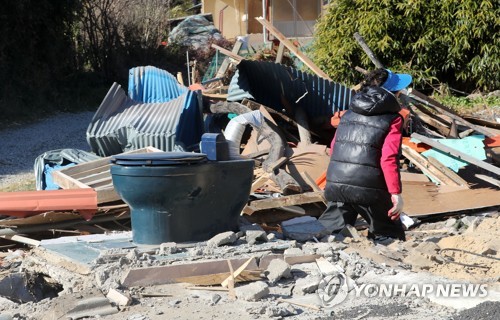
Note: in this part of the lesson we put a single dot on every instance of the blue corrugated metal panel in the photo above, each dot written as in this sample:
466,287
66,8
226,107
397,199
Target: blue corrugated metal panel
150,84
122,124
280,87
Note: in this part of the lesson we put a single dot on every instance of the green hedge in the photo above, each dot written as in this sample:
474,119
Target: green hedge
437,41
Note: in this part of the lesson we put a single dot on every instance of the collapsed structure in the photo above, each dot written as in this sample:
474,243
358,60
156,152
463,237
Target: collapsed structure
281,118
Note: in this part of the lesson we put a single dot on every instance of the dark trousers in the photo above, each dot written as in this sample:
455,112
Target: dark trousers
338,214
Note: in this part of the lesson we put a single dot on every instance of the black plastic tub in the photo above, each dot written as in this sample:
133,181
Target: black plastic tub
183,202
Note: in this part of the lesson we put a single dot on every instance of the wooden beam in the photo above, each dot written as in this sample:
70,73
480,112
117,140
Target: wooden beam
228,53
295,199
206,273
424,165
235,274
21,239
422,98
429,120
279,54
448,172
289,45
225,64
457,154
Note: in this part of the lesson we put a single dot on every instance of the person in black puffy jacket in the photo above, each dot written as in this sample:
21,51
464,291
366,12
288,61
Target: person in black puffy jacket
363,175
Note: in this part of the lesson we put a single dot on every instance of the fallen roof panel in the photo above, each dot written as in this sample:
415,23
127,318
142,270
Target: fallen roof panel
29,203
123,124
150,84
281,87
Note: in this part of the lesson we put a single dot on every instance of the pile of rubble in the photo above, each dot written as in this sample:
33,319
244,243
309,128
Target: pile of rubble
281,262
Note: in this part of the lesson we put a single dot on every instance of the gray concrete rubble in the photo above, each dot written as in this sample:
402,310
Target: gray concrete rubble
278,269
253,291
221,239
282,278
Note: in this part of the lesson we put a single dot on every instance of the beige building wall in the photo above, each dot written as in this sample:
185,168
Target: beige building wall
228,16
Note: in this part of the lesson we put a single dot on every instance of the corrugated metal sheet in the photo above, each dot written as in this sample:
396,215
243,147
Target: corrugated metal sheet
122,124
280,87
150,84
29,203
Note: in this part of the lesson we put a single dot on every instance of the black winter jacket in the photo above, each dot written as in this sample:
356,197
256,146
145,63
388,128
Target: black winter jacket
354,174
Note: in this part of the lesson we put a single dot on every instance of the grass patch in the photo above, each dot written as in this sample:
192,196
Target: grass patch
26,184
467,106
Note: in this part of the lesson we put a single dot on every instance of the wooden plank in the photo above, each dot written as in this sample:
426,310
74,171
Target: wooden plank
440,127
93,174
23,240
448,172
279,54
289,45
66,182
491,180
424,199
259,182
307,178
228,53
215,279
295,199
299,304
236,273
457,154
230,281
414,94
225,64
206,272
207,288
278,163
424,165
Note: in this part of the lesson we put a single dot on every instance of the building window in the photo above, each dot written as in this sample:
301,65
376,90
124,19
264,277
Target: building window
296,18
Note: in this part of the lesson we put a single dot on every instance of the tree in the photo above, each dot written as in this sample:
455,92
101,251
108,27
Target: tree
453,42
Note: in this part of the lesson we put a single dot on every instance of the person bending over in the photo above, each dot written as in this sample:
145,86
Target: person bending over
363,174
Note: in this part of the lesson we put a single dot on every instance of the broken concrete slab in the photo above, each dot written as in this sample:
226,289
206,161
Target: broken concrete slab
253,291
278,269
221,239
119,298
254,236
306,285
303,229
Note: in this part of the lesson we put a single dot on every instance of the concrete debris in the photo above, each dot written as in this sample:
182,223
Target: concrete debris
119,298
306,285
253,291
281,310
6,316
350,231
278,269
221,239
174,303
92,307
167,248
215,298
293,252
254,236
303,229
451,222
470,220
